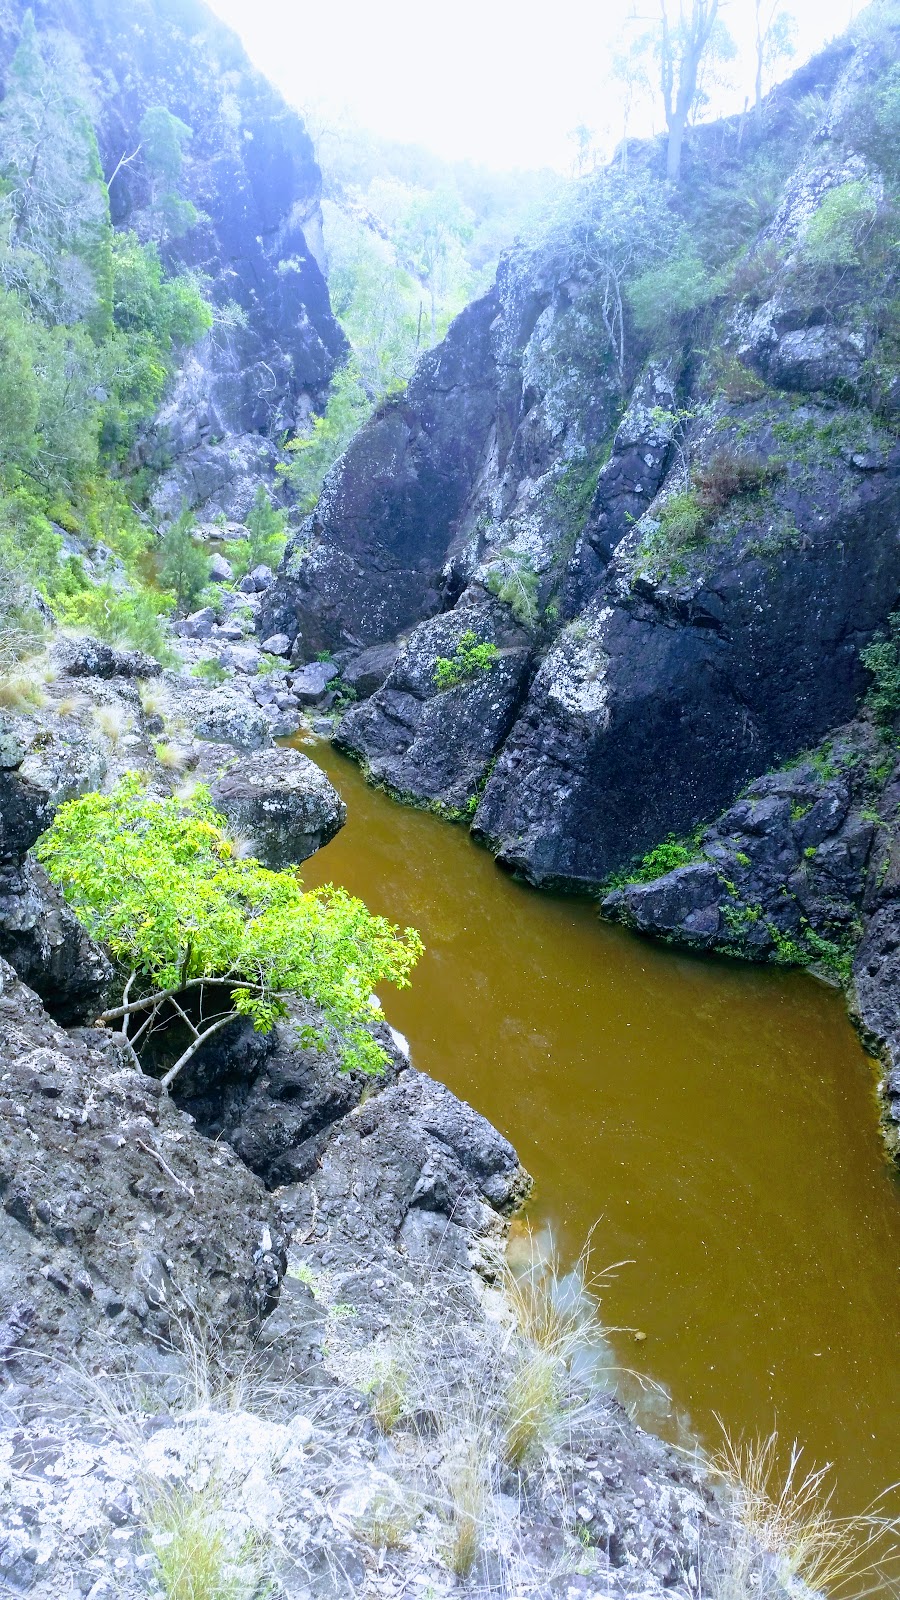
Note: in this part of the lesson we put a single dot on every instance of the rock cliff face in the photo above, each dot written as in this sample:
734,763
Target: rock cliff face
691,526
250,171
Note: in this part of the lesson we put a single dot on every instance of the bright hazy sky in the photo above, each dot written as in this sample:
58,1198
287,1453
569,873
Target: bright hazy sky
499,81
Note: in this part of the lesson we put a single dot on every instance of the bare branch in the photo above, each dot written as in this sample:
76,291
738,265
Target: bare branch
192,1049
228,982
123,161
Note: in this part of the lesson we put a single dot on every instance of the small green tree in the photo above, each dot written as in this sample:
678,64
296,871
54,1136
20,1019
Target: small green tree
204,936
183,564
470,657
265,546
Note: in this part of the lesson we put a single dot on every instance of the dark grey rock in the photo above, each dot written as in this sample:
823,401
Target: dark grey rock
368,671
112,1182
311,683
90,658
280,801
39,936
426,743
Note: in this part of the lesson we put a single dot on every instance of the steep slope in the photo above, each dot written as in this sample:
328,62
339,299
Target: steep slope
249,170
664,449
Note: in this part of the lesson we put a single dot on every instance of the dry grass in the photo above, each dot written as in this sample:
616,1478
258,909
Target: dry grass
387,1524
195,1559
112,722
534,1403
21,692
556,1316
171,757
387,1390
151,700
784,1510
242,847
69,706
467,1480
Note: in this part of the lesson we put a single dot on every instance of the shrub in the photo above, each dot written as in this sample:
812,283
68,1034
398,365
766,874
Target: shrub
663,858
469,658
132,617
726,475
669,291
882,659
157,882
210,672
837,231
514,582
736,382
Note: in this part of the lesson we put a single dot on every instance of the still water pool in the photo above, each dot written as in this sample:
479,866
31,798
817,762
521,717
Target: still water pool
716,1121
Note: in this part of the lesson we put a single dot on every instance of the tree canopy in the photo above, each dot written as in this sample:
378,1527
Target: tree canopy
158,882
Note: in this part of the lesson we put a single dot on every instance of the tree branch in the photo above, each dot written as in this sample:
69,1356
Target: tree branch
123,161
201,1038
168,994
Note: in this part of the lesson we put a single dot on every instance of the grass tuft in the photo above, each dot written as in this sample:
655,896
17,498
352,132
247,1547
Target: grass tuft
172,757
466,1473
21,693
194,1557
112,722
784,1510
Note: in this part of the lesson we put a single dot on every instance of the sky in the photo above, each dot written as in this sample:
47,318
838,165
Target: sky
500,82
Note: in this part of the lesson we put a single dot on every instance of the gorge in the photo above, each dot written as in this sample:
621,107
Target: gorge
610,584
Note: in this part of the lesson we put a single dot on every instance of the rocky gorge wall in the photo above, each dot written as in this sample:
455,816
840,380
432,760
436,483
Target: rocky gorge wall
675,534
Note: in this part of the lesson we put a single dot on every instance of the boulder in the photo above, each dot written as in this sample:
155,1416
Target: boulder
138,1218
262,577
435,743
277,644
224,716
91,658
220,570
282,802
242,657
200,624
311,684
368,671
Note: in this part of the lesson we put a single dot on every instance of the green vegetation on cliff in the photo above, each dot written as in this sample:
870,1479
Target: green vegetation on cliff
91,330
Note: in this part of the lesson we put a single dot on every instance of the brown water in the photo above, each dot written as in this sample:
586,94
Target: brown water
718,1119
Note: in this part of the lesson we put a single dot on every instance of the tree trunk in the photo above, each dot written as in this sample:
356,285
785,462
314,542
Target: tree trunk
676,144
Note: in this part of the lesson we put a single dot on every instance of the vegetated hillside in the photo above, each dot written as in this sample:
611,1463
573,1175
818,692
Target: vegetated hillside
652,480
163,317
249,174
410,238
